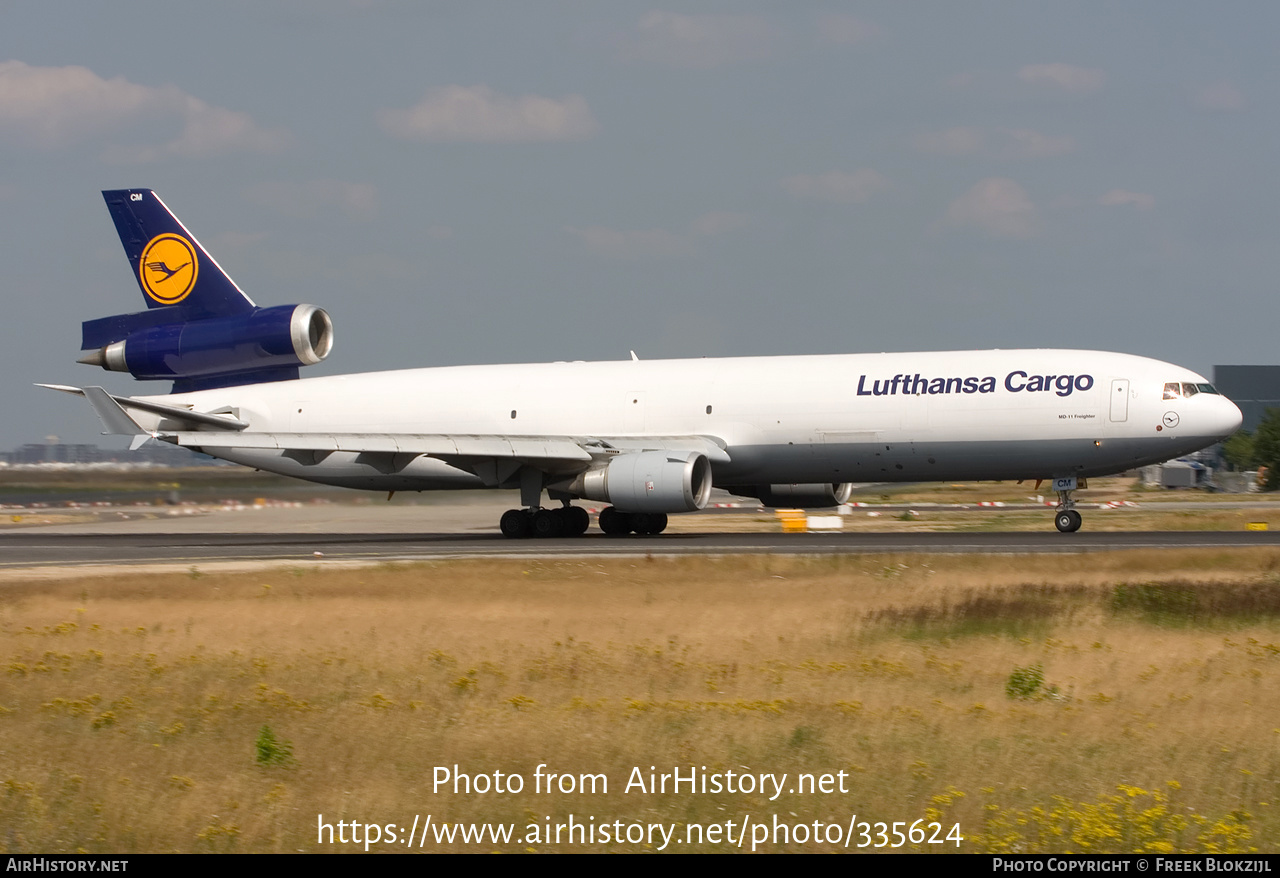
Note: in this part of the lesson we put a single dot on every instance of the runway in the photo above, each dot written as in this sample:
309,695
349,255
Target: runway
34,549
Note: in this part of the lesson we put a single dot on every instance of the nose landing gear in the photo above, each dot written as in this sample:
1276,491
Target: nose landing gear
1066,519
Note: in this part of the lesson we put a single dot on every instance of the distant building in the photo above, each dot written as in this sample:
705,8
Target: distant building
1183,473
1254,388
35,452
153,453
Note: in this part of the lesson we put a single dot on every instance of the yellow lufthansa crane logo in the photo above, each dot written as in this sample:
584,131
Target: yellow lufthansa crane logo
168,268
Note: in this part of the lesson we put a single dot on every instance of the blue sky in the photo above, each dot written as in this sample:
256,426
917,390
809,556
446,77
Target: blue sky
512,182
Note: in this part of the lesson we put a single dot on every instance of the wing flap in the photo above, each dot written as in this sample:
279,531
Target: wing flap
454,447
433,445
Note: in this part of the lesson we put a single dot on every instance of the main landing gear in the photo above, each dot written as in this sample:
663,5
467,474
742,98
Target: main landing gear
573,521
617,524
569,521
1066,519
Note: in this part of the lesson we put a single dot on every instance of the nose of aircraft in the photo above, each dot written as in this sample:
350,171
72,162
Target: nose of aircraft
1226,418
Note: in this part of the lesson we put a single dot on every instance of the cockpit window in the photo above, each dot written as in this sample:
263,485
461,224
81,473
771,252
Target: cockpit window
1186,390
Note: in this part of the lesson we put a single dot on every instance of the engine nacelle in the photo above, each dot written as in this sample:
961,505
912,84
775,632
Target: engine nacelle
649,481
267,338
819,496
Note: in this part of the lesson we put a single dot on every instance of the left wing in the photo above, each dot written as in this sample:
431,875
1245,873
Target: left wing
493,457
481,454
454,445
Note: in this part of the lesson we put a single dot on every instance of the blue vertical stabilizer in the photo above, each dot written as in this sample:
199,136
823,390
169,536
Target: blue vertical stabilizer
170,266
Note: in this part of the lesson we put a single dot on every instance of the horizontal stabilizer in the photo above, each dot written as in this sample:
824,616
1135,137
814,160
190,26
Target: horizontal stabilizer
103,401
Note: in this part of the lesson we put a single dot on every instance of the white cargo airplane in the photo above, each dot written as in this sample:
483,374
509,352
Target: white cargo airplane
647,437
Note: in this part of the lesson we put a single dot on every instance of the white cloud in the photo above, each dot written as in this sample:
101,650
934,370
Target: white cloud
951,141
700,41
478,114
311,199
998,206
1221,96
59,106
1121,197
1023,143
1066,77
845,30
631,244
837,186
648,243
1002,143
718,222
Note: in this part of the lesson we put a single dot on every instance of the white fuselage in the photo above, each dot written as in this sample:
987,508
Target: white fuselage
810,419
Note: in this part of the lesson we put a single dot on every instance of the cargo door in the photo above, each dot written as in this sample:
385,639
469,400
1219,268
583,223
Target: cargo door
1119,400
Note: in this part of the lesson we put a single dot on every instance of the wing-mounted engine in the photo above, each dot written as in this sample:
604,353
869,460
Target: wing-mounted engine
819,496
264,344
649,481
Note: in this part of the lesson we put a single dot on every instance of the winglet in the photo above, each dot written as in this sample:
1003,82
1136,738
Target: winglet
112,415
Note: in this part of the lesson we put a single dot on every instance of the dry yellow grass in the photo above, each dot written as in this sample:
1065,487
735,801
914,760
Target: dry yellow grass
130,706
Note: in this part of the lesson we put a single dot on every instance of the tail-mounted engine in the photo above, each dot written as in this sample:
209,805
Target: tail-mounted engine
266,344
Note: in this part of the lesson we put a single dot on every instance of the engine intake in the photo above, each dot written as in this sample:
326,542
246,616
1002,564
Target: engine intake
649,481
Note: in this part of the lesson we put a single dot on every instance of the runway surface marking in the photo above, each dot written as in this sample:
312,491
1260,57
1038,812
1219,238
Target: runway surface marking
32,550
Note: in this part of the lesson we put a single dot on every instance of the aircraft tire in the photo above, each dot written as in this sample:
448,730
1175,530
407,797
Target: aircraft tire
649,522
1067,521
578,521
653,523
615,523
547,523
516,524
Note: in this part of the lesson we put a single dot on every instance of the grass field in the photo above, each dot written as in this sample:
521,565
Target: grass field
1101,702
